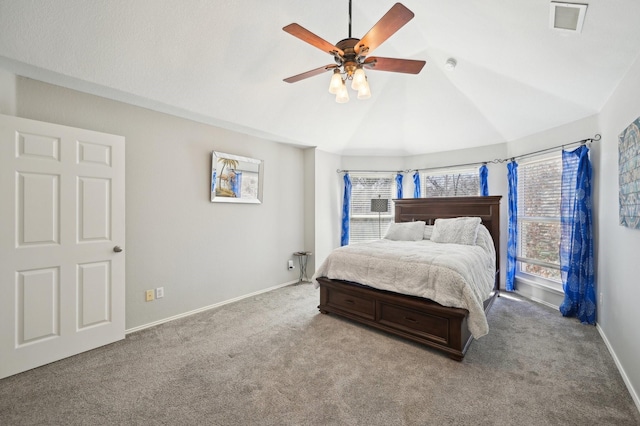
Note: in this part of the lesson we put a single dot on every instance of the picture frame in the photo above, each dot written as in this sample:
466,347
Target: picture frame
629,175
235,179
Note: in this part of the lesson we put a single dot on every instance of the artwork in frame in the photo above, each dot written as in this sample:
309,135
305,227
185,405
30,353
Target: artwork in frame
629,175
235,179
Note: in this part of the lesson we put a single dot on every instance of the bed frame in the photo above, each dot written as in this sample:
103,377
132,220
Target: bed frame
415,318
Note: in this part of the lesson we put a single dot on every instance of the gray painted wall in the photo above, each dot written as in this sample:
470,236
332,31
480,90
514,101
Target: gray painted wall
7,93
202,253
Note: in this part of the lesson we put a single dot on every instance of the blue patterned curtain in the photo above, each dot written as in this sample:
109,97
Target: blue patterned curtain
484,180
346,208
416,184
576,242
399,178
512,239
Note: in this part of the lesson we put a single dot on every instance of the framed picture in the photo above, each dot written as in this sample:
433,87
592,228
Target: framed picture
235,179
629,175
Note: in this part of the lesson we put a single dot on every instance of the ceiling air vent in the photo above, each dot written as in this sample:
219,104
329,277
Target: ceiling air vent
567,16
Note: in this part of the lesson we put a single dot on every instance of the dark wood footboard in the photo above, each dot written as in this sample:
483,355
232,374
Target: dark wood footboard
414,318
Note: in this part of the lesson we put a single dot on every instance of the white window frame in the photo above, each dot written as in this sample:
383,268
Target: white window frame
521,260
364,213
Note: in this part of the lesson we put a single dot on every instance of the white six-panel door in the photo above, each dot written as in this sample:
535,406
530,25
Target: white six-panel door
61,217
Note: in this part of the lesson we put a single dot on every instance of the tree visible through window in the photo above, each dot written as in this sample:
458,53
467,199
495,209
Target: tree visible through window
539,187
452,183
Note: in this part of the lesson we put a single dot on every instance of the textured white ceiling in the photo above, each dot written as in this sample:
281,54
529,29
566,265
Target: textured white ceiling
223,61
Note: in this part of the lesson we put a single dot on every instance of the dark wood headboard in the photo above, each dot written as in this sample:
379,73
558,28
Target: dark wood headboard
430,209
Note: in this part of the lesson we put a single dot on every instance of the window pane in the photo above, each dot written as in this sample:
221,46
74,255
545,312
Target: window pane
457,183
540,271
364,222
539,185
366,229
364,188
540,241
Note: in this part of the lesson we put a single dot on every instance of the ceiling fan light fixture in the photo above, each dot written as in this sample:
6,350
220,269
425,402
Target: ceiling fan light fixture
359,79
336,82
364,92
351,54
343,95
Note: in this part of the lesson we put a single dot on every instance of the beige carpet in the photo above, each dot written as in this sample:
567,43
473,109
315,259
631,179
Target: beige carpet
274,360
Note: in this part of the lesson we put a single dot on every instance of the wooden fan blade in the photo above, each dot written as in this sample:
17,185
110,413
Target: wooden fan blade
311,73
407,66
306,35
391,22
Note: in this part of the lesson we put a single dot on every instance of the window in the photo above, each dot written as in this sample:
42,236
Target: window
364,224
539,186
450,183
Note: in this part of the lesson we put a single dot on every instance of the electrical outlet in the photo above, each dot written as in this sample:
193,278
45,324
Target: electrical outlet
149,295
159,292
290,265
600,301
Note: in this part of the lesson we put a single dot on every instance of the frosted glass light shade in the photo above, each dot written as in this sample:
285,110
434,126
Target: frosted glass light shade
342,96
364,92
358,79
336,82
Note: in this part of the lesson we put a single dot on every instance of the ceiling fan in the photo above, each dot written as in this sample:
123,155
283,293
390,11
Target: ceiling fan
350,54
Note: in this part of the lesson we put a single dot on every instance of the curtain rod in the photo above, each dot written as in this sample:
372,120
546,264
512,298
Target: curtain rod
372,171
596,138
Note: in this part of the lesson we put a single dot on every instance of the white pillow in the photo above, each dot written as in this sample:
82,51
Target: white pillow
459,230
428,230
406,231
485,241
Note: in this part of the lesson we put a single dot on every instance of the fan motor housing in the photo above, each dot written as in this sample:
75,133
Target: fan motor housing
350,59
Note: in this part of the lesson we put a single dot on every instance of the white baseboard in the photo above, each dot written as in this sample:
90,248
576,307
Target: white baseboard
536,299
625,378
539,293
206,308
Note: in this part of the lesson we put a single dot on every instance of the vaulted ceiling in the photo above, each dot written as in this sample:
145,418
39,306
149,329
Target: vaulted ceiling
223,62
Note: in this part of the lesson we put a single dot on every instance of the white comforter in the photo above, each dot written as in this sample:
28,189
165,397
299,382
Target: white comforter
456,275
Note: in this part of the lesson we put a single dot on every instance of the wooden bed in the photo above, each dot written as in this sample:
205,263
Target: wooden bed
415,318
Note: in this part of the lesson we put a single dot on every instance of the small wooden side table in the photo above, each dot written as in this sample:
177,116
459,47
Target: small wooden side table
302,261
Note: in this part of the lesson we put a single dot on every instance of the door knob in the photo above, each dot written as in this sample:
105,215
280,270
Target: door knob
117,249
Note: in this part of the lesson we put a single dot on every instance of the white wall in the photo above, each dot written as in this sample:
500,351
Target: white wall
310,208
202,253
328,201
618,273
